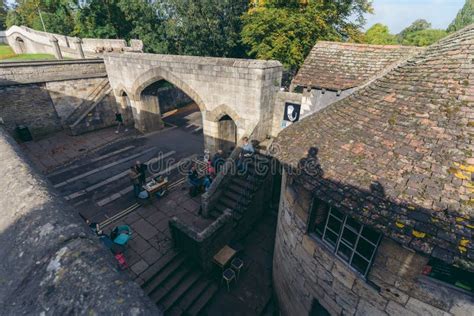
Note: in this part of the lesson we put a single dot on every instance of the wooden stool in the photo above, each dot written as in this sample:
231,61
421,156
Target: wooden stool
237,264
228,275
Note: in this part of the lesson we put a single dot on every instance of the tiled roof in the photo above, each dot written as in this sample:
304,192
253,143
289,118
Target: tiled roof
398,154
340,66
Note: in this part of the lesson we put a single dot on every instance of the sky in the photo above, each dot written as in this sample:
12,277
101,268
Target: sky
398,14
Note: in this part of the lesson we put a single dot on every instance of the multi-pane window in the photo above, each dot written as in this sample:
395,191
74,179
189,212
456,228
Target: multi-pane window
352,242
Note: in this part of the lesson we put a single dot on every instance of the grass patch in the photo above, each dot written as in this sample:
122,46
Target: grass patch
7,54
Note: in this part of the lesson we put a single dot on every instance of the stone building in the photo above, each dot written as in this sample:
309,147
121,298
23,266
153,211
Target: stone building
377,197
333,70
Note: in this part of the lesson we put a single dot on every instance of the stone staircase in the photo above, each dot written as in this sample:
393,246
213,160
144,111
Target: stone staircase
241,189
91,101
177,285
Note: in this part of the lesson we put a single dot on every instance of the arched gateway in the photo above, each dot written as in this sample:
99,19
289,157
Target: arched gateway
237,90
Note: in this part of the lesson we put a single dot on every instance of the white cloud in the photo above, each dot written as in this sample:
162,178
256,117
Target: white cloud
398,14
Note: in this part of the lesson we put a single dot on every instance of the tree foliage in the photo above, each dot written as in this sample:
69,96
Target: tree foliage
205,28
57,15
379,34
419,33
3,14
464,17
286,30
423,37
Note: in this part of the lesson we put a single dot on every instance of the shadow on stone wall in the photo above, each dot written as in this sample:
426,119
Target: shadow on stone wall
51,262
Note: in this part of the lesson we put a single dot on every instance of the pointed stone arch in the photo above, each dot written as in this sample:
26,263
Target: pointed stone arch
120,90
222,110
158,73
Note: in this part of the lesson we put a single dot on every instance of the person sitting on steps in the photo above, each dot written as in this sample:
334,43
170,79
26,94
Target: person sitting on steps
245,155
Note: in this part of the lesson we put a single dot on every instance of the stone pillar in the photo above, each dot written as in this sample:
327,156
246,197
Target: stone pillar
146,114
56,49
78,44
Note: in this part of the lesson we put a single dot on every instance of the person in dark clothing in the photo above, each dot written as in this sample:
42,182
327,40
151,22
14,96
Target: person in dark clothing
119,120
140,169
218,160
134,178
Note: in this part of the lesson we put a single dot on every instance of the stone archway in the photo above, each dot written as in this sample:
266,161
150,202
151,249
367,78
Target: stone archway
125,105
225,126
146,110
156,74
20,44
227,134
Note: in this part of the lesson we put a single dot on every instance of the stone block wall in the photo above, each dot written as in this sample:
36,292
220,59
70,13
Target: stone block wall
305,269
68,95
29,105
44,71
102,116
246,87
45,107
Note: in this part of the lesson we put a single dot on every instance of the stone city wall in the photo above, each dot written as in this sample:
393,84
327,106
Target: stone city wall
29,105
52,264
43,95
26,40
43,71
304,268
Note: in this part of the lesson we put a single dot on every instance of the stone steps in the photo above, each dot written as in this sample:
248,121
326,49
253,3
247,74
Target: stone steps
176,285
168,270
180,290
169,284
202,301
90,99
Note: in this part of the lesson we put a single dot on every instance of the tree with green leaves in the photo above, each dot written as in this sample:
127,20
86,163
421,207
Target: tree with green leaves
418,25
379,34
57,16
420,33
101,19
287,30
464,17
3,14
204,28
423,37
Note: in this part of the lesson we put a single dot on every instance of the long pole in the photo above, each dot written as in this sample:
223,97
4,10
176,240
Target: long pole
41,18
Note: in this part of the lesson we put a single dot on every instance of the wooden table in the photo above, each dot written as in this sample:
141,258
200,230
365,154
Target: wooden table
151,187
224,255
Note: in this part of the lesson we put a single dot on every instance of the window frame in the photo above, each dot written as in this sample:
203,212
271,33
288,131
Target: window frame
335,248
